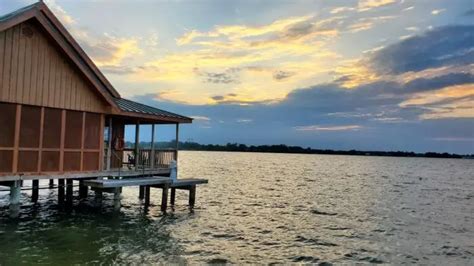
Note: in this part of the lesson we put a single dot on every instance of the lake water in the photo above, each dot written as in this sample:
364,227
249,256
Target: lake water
265,208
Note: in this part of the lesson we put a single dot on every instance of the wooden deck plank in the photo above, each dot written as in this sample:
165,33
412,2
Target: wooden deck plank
113,183
86,175
187,182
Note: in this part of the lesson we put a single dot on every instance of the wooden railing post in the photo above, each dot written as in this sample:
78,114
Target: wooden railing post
137,143
177,143
109,144
152,153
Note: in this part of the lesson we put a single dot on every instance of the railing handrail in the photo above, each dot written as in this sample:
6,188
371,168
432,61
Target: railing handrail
147,149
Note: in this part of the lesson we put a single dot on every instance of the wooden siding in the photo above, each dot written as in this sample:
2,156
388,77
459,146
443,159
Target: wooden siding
34,71
30,150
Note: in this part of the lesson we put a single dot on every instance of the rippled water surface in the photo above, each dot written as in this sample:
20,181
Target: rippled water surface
264,208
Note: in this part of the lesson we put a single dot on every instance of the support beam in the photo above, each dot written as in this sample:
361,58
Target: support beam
164,198
51,183
192,196
137,144
173,196
60,191
15,193
141,193
34,190
109,145
152,152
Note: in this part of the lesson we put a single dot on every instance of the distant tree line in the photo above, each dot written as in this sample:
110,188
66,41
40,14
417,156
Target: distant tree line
236,147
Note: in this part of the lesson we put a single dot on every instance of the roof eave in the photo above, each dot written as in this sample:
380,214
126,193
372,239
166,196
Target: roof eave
157,118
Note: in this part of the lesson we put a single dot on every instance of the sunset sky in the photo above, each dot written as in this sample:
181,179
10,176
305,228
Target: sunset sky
367,74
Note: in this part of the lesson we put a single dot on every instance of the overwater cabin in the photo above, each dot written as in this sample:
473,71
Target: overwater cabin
60,117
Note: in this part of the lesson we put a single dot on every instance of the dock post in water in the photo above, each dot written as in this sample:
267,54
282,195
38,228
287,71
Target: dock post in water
147,196
83,190
141,193
69,191
61,191
164,198
173,196
51,183
34,191
192,196
15,195
117,198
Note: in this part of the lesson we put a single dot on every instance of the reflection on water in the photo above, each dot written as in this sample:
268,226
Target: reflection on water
264,208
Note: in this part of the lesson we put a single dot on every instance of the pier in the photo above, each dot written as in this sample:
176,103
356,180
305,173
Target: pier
63,121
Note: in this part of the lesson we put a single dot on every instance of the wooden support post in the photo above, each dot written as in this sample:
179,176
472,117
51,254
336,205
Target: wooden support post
51,183
147,196
15,193
60,191
152,152
117,198
173,196
192,196
141,193
137,145
109,144
164,198
34,191
69,187
83,190
177,143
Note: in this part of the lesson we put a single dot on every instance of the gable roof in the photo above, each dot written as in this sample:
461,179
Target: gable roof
41,13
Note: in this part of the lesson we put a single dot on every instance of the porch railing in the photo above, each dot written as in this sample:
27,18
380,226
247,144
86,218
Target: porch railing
163,158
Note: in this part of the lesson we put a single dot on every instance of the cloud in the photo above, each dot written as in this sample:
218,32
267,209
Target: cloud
282,75
105,49
365,5
328,128
437,11
244,120
454,139
201,118
470,12
230,75
449,45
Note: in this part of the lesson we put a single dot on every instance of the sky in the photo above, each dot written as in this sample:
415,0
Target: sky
367,74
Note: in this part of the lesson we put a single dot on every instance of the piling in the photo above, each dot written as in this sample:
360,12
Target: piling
147,196
83,190
34,191
117,198
60,191
173,196
69,191
15,193
164,198
192,196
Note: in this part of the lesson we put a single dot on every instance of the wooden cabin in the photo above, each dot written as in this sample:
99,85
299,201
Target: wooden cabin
60,117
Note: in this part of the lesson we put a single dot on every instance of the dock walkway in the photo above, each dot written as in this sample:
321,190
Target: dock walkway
145,183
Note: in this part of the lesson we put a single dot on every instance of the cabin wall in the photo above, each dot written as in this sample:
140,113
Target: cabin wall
34,71
41,140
